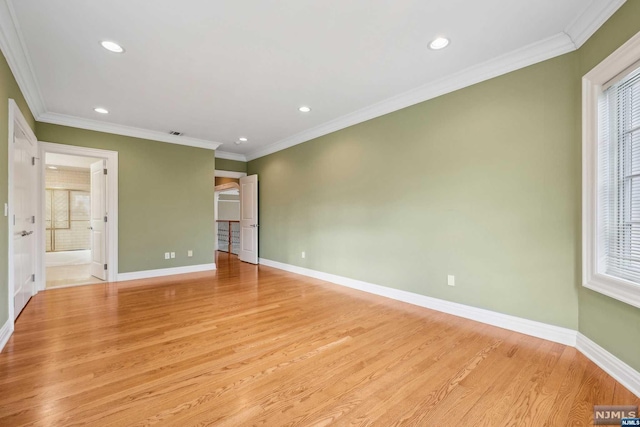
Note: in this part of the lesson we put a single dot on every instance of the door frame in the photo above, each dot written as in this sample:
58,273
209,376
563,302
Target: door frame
111,232
16,119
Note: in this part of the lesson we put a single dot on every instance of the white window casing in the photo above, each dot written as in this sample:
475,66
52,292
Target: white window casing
611,175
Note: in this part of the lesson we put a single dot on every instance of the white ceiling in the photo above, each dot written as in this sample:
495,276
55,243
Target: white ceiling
218,70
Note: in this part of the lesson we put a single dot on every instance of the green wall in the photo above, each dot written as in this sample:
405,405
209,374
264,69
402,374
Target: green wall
165,197
483,183
230,165
609,322
8,89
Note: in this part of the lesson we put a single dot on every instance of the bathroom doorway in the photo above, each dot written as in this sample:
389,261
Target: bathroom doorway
79,211
67,218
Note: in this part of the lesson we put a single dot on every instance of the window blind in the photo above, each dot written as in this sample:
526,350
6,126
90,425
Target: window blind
619,178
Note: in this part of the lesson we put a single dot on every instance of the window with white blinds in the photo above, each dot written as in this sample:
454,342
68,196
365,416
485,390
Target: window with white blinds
619,179
611,175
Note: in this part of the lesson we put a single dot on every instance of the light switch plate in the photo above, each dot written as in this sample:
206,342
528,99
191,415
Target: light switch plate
173,254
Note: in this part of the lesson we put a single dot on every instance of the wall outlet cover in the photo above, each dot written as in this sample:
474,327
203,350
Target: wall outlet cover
303,255
167,255
189,253
451,280
173,254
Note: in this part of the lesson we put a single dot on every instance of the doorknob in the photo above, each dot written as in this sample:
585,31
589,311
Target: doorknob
24,233
254,225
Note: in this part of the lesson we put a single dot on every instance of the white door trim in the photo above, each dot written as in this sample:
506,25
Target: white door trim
17,119
229,174
111,158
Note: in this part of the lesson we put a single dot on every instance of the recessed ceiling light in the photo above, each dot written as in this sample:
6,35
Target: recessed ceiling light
304,109
243,139
52,167
112,46
439,43
101,110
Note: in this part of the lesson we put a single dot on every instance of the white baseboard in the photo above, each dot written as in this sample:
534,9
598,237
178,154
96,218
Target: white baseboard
505,321
623,373
5,333
135,275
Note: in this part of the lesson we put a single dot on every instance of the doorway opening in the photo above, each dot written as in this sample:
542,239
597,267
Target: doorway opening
227,211
236,215
228,222
78,189
68,201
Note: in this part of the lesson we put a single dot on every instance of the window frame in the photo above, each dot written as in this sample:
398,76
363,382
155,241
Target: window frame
615,64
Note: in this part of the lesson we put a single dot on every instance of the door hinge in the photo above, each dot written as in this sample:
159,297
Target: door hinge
105,218
105,266
33,219
33,161
105,171
33,277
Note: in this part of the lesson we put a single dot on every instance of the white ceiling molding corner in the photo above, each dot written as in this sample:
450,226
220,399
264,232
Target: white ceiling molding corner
94,125
528,55
596,13
230,156
14,49
17,56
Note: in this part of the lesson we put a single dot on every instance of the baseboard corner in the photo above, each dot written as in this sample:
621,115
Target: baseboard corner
619,370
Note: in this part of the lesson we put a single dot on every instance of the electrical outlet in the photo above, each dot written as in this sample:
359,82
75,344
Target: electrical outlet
167,255
451,280
173,254
303,254
189,253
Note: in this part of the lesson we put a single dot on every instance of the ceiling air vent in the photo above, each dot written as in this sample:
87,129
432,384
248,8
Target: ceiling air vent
175,133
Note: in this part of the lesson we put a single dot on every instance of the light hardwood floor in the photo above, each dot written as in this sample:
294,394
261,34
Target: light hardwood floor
253,345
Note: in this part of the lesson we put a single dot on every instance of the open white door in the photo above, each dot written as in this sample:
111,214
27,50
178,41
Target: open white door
24,210
249,219
98,220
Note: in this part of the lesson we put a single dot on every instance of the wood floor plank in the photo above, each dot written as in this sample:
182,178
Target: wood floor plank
251,345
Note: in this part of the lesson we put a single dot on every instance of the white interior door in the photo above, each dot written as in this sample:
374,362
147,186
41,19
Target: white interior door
98,222
24,210
249,219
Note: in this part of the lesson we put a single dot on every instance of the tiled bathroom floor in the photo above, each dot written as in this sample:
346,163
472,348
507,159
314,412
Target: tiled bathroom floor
70,275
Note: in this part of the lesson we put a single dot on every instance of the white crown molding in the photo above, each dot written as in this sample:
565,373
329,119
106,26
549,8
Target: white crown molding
230,156
76,122
596,13
623,373
5,333
520,58
136,275
524,326
15,51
